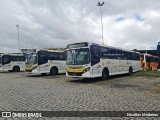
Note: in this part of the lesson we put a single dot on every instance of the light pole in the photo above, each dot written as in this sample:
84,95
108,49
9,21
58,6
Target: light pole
100,5
18,36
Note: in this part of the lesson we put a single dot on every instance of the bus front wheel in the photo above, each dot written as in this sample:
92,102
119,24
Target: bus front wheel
16,69
105,74
44,74
54,71
130,71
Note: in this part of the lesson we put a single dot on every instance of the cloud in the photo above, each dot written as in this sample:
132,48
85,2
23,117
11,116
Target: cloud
44,23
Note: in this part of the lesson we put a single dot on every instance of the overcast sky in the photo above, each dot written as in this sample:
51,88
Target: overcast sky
129,24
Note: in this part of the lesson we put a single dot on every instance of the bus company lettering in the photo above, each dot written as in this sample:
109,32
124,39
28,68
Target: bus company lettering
22,115
34,115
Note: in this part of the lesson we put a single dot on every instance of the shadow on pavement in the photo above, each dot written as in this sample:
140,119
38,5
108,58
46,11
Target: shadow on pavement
98,79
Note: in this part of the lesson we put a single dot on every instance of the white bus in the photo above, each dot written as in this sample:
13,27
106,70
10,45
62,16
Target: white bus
89,60
46,62
12,62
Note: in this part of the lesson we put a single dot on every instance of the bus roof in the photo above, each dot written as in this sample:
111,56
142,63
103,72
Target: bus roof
35,50
13,54
85,44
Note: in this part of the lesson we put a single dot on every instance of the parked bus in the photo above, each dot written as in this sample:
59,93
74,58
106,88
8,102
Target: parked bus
149,62
46,62
89,60
12,62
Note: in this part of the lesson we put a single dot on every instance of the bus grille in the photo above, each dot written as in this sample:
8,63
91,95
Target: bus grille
28,70
75,74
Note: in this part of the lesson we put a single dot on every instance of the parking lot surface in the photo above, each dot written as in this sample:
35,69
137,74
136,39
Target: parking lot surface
60,93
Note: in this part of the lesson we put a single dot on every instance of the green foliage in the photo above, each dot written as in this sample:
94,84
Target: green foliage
148,73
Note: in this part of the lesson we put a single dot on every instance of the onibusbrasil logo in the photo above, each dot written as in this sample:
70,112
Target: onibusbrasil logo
21,114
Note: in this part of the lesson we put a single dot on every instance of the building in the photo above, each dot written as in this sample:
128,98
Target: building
152,52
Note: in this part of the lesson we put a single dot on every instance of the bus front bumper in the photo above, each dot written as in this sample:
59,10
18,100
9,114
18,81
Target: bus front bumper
32,72
79,74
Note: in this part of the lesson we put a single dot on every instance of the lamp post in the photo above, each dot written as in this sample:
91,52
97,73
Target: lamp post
100,5
18,36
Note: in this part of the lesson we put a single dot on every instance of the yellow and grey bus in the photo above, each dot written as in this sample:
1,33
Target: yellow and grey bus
12,62
89,60
46,62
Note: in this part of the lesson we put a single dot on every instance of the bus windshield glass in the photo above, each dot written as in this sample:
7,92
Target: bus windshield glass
31,59
78,56
154,59
151,59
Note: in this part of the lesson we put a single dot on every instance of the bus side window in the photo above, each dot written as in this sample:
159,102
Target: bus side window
133,56
125,55
137,56
18,58
13,58
5,60
61,56
56,55
65,55
23,58
129,55
112,53
104,52
95,57
43,59
53,56
119,54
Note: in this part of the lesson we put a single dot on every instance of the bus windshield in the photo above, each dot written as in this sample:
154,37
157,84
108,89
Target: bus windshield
151,59
78,56
31,59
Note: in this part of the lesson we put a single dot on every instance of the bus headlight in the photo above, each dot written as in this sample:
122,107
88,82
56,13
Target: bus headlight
87,69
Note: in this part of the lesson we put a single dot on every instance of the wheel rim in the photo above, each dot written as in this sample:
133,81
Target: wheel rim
53,72
16,69
104,74
130,71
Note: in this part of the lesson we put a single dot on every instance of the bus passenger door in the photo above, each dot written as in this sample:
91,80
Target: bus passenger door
6,60
95,62
62,62
43,62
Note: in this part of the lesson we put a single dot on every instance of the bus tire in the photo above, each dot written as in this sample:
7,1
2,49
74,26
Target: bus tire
16,69
105,74
84,79
44,74
54,71
130,72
